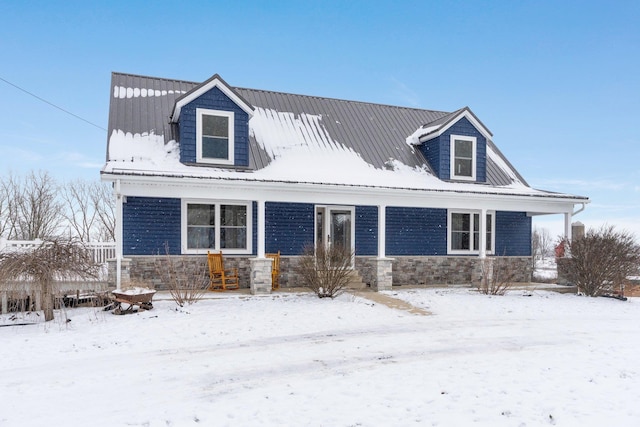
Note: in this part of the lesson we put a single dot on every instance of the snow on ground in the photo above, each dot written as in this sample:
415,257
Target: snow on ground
546,269
293,359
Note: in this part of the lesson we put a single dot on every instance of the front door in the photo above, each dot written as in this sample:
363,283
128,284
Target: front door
334,226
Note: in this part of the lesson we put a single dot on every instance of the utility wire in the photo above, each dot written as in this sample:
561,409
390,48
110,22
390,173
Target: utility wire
52,104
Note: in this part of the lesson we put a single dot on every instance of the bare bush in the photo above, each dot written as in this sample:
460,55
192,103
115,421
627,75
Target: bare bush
52,261
186,284
325,270
601,260
498,276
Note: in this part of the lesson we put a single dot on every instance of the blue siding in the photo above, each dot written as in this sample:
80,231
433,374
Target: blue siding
366,223
416,231
289,227
431,151
438,150
513,234
214,99
148,223
254,230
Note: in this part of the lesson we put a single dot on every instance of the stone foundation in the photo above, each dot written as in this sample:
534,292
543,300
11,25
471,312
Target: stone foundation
449,270
260,276
403,270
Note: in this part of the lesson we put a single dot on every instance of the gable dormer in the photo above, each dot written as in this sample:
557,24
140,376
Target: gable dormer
212,125
455,146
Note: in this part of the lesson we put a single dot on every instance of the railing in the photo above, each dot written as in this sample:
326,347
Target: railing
101,251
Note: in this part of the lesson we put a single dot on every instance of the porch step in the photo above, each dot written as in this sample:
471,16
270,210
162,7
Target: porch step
355,281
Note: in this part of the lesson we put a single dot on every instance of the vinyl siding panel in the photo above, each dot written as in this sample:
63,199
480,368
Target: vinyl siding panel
150,222
416,231
289,227
513,234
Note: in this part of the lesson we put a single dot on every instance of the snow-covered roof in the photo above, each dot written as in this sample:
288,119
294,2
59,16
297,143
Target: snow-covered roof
294,138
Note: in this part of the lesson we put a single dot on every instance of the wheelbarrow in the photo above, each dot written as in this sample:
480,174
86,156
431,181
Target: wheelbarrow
126,301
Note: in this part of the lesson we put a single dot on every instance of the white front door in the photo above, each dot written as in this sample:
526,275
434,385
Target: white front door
334,226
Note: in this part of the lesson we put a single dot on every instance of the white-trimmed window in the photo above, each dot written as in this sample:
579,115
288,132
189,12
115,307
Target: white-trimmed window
214,136
463,157
464,232
216,226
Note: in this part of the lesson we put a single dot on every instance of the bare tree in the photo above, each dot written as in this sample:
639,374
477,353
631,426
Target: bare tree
602,259
104,206
38,211
52,260
325,270
80,212
12,192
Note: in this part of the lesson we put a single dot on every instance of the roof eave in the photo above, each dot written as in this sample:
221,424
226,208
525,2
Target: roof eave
214,81
463,112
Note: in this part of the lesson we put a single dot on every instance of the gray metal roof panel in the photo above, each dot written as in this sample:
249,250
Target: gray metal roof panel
377,132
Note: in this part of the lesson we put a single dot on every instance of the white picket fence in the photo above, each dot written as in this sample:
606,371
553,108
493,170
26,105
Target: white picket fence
101,251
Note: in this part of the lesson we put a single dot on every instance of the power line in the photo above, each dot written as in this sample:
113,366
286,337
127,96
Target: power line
52,104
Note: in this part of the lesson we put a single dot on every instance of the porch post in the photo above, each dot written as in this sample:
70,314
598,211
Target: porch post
482,229
382,237
384,265
261,226
118,234
567,226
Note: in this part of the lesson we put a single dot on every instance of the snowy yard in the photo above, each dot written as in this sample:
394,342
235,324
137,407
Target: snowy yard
293,359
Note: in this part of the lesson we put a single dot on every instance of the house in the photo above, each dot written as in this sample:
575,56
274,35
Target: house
420,196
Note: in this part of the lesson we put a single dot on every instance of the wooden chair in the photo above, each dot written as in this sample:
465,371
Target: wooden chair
275,270
221,279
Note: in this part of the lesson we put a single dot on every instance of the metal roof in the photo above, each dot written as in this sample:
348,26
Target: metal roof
141,104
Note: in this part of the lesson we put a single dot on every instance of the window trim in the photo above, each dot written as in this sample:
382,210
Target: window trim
472,213
183,226
452,152
200,112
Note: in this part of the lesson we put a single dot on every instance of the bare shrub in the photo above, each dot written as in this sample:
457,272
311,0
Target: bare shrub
602,259
52,261
186,284
325,270
498,276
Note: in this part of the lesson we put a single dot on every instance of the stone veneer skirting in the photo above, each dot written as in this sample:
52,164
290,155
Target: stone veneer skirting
406,270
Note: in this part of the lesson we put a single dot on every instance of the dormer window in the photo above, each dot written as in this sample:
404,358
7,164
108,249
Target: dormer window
214,136
463,157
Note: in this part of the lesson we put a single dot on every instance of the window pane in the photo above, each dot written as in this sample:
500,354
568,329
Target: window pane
233,227
201,237
463,167
231,215
460,222
233,238
460,240
464,149
215,148
201,215
215,126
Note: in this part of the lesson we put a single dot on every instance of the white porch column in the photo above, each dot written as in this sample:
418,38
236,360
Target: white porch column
261,228
567,225
118,233
382,237
482,229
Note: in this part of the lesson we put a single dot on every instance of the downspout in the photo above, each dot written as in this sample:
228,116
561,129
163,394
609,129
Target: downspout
584,206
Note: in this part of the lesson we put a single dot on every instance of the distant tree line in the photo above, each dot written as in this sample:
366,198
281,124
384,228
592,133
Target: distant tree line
36,206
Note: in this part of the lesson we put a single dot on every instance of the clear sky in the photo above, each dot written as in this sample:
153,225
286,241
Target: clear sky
556,82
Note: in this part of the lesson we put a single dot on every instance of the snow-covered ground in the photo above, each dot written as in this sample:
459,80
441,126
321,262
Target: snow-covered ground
546,269
293,360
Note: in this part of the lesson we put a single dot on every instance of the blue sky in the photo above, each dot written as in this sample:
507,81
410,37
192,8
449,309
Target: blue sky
557,82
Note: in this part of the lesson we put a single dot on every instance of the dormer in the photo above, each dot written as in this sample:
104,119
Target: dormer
455,146
211,124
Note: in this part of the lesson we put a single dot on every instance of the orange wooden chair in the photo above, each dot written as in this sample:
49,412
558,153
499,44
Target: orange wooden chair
275,270
221,279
